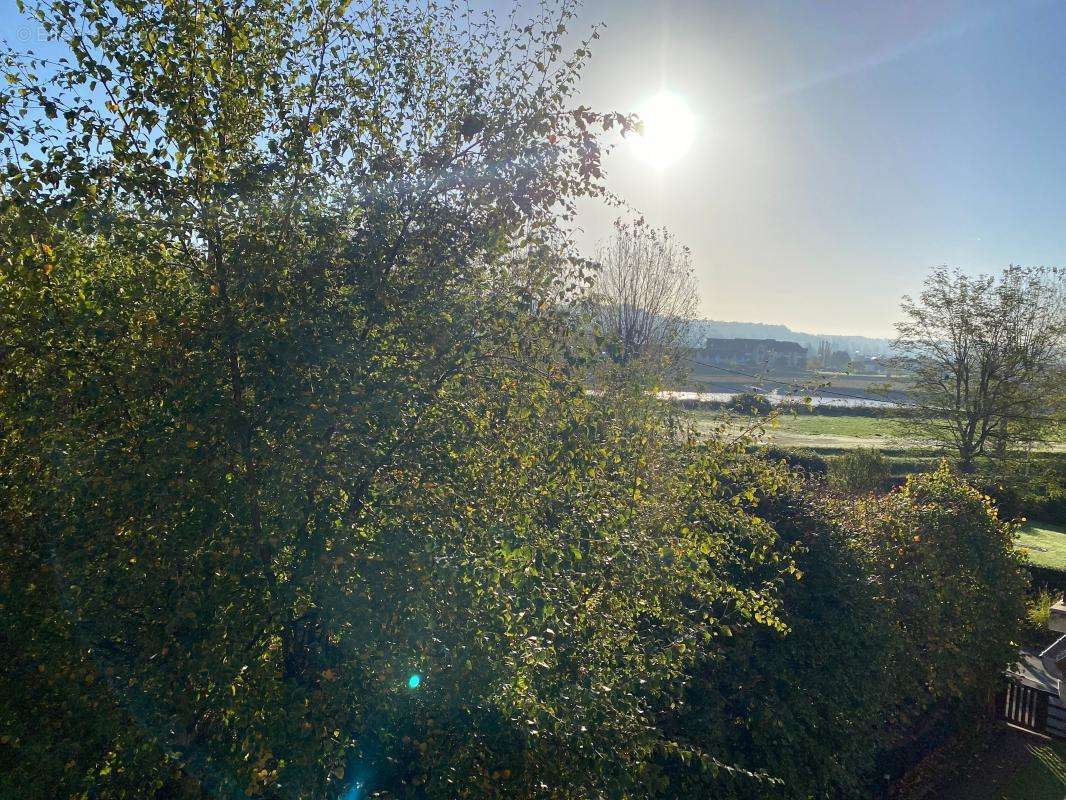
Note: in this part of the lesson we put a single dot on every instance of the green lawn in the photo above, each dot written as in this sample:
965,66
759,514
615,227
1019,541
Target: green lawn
825,431
1041,777
1046,544
864,427
1016,767
832,433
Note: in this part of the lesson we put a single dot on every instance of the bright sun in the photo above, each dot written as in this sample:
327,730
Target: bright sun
669,130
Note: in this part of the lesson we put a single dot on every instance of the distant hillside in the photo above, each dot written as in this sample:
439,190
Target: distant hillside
856,345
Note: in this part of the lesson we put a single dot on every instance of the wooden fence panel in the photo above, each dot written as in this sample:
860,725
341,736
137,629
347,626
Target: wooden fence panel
1029,708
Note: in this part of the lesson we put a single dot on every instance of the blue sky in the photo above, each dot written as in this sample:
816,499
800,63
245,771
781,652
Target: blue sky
843,148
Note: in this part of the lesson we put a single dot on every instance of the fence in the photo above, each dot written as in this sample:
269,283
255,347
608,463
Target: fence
1025,707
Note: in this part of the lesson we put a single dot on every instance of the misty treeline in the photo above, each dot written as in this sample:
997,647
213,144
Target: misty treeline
302,494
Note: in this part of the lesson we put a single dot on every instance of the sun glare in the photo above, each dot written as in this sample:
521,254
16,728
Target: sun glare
669,130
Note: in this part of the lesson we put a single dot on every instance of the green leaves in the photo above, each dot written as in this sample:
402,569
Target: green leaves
294,405
292,349
887,619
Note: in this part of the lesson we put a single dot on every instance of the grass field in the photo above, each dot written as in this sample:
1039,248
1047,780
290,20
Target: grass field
828,433
863,427
1043,775
825,432
1046,544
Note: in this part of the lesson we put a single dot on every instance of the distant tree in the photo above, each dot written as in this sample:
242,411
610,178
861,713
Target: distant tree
823,354
840,359
984,353
645,294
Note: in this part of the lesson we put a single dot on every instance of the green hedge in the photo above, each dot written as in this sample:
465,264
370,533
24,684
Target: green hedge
900,618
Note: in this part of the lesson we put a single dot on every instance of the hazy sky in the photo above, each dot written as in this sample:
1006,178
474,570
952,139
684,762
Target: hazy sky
844,148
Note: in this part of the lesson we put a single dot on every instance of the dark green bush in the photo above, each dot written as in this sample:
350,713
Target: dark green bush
1006,494
860,471
749,403
901,615
1055,506
1040,495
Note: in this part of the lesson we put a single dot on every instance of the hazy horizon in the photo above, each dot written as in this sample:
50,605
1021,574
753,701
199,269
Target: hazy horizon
801,331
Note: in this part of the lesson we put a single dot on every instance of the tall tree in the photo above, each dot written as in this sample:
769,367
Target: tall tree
300,494
983,352
645,295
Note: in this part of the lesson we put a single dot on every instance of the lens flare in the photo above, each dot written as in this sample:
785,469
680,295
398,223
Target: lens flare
414,681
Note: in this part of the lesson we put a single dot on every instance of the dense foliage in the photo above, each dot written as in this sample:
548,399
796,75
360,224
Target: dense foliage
302,491
1029,489
799,458
750,403
302,496
904,615
859,471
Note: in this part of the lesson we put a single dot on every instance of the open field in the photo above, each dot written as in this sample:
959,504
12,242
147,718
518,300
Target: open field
1046,544
826,432
818,431
841,432
822,425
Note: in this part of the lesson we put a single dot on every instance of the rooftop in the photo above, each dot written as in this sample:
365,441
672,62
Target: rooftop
1036,672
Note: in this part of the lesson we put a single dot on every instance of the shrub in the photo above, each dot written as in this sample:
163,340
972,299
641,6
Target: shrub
1055,506
1046,495
946,564
1038,610
860,471
1007,495
806,705
751,404
1041,496
901,613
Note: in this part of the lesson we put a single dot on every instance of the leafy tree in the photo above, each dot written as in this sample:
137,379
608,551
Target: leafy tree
803,704
840,359
986,356
948,566
301,494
